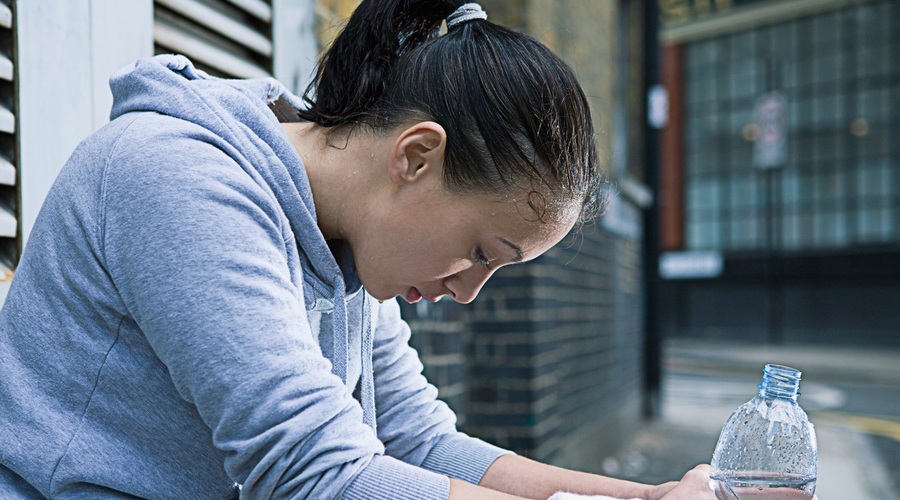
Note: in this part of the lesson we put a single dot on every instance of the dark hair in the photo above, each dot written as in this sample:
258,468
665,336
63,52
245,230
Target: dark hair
512,110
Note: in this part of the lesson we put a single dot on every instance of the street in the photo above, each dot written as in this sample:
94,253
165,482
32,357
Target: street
875,411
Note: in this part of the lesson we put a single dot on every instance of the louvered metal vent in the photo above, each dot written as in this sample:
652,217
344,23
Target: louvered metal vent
9,194
230,38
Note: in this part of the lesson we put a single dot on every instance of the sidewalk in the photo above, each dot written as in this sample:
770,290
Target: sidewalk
822,364
704,382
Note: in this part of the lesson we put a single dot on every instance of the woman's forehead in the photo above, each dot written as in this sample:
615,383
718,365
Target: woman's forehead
534,206
515,221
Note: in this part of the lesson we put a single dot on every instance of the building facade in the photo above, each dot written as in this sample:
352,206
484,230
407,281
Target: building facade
780,203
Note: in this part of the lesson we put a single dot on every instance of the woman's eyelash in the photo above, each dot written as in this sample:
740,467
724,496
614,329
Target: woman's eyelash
480,257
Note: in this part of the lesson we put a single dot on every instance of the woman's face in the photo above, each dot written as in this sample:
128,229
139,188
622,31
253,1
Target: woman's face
429,243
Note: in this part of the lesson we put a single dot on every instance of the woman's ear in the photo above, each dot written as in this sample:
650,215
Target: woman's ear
418,151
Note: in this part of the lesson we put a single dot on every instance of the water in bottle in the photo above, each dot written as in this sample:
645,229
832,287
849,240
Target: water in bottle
767,448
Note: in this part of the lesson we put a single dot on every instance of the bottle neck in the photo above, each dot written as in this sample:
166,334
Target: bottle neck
781,382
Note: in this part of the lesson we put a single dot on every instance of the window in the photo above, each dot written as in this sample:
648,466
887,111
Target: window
841,182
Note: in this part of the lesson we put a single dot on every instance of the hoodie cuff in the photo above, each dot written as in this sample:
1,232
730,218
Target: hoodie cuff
463,457
387,477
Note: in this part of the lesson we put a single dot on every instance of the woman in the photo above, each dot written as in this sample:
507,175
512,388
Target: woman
206,304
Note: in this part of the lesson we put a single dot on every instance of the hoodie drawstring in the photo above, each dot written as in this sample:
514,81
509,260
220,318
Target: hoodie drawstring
341,354
340,334
367,392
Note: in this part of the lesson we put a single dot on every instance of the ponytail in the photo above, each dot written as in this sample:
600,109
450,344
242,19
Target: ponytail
353,74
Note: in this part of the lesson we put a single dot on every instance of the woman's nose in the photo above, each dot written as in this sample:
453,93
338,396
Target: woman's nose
466,285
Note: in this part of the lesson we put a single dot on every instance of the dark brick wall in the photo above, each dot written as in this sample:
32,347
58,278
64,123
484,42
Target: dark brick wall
437,335
548,350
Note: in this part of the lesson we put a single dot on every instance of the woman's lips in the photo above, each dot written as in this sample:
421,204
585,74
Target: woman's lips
413,295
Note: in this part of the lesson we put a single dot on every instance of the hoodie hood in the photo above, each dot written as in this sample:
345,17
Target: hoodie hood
238,111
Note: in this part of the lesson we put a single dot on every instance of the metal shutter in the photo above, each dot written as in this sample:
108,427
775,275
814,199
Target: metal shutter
9,195
229,38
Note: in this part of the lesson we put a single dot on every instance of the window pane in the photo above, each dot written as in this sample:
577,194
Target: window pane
829,228
790,188
790,230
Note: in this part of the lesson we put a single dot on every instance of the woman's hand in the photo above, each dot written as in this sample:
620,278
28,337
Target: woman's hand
693,486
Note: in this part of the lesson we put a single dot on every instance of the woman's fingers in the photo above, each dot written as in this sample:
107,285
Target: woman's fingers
693,486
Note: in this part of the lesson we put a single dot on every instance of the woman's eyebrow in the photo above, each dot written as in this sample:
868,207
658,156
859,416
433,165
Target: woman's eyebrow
518,257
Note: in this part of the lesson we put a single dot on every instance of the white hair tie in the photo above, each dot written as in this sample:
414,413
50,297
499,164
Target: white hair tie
465,13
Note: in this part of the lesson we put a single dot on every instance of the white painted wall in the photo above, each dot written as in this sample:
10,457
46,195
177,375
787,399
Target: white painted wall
295,44
54,79
121,32
66,51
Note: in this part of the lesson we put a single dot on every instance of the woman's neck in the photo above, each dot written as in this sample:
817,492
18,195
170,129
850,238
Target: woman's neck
343,169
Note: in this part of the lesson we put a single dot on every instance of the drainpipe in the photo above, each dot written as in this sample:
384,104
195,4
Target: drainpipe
652,333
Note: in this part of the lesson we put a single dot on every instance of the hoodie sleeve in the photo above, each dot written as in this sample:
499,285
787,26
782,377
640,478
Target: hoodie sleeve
413,424
197,250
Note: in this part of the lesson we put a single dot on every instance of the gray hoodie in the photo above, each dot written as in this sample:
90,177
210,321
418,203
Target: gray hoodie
178,327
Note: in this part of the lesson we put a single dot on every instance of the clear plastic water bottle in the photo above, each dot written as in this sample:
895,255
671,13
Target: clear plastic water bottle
767,448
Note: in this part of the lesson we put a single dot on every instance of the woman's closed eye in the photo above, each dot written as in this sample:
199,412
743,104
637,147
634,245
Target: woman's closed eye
482,259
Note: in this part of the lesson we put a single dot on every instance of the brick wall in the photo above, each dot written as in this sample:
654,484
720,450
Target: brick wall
553,355
437,334
547,361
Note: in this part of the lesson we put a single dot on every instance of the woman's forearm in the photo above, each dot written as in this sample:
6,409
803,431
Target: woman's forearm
461,490
526,478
